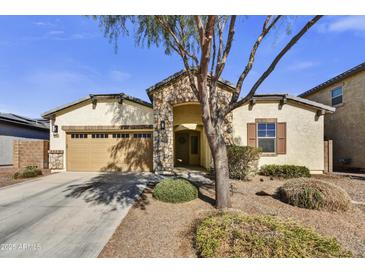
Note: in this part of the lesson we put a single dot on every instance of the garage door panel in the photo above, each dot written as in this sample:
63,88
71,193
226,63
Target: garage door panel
109,154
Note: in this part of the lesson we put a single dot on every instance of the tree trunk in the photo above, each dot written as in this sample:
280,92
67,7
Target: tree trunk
217,147
222,181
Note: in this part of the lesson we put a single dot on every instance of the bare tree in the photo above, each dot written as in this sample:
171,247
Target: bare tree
204,45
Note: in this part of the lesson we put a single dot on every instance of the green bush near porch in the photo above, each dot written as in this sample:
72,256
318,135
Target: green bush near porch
175,191
285,171
242,161
230,235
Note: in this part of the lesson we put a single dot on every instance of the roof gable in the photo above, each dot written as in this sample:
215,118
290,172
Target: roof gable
177,75
116,96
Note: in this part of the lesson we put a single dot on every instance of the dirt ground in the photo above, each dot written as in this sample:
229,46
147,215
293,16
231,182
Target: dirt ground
6,176
156,229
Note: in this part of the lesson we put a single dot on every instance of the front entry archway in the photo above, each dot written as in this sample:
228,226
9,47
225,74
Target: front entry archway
187,148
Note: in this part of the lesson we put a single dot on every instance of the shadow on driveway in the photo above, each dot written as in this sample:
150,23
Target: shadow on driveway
112,188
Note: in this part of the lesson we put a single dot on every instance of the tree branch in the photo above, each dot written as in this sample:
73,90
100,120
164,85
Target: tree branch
181,46
268,71
206,45
200,27
265,30
223,60
213,54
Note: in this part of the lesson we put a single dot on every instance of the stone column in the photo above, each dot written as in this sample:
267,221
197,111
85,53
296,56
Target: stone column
163,158
55,159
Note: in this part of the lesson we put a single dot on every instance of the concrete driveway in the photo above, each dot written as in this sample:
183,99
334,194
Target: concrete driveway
69,214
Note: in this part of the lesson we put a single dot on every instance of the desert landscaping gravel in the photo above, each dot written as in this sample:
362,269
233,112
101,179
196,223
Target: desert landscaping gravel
6,176
156,229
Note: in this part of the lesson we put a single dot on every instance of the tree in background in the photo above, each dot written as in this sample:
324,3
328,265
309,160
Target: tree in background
204,44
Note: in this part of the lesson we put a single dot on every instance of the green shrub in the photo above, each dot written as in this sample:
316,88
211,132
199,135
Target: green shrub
228,235
175,191
28,172
285,171
242,161
314,194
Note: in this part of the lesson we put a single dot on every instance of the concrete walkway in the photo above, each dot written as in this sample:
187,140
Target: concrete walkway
70,214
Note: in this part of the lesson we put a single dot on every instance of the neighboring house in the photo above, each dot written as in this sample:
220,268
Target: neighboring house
120,132
346,127
14,127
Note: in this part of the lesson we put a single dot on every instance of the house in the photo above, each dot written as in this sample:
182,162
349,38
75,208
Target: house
346,126
120,132
16,127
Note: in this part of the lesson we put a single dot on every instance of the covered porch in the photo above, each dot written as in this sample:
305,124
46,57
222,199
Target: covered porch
191,149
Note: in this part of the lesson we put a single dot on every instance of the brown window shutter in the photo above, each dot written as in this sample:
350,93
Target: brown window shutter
251,134
281,138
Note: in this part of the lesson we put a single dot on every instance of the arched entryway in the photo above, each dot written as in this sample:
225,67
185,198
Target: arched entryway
190,143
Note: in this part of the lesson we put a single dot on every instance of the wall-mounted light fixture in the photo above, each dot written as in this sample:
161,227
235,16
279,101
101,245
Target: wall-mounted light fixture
55,129
162,125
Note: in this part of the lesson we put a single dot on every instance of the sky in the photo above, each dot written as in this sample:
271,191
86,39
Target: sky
48,61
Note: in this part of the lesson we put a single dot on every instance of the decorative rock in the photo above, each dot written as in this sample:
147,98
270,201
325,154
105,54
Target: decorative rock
55,159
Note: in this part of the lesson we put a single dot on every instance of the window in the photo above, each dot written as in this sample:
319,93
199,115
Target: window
336,96
194,144
78,135
266,137
142,135
121,135
99,135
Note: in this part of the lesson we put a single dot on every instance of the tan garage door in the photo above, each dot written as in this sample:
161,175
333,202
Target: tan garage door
117,151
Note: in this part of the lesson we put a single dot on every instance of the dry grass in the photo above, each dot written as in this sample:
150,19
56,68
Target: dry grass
232,235
156,229
314,194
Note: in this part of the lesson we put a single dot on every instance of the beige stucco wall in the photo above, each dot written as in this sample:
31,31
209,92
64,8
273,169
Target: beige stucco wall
304,133
187,113
346,127
107,112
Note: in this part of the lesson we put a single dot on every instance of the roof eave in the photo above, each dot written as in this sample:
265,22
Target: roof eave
48,114
334,80
306,102
11,121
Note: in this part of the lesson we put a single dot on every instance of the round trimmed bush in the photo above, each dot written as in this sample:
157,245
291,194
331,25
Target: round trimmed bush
314,194
229,235
175,191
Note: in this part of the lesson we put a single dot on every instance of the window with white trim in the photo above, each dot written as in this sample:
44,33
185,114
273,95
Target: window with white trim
336,96
266,137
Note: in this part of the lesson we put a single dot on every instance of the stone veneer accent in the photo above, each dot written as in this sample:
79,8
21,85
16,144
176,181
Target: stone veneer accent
164,99
55,159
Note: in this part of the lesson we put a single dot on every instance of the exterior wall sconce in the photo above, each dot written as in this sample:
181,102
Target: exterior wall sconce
55,129
162,125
